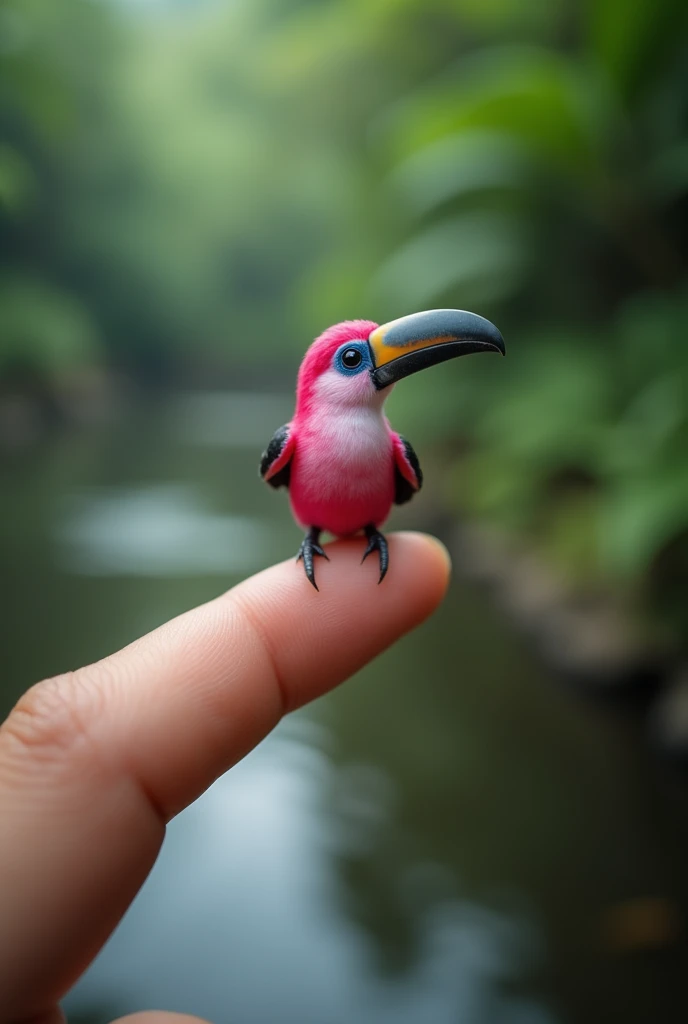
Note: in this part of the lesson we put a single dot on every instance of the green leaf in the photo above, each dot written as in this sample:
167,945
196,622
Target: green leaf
494,487
648,427
632,38
479,258
459,165
45,326
667,175
554,407
18,186
640,516
557,108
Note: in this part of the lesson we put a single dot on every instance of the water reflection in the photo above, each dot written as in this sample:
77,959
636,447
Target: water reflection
158,530
245,916
228,419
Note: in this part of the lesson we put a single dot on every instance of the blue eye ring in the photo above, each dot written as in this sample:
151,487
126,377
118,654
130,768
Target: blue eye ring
352,358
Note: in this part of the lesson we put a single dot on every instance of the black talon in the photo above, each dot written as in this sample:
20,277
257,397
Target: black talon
377,542
310,545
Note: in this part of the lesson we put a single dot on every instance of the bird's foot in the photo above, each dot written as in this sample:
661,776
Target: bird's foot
310,546
377,542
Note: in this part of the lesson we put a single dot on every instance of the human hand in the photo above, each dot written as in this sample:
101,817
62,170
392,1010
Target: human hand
94,763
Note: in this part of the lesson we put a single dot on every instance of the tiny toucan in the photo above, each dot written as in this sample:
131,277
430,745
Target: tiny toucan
343,464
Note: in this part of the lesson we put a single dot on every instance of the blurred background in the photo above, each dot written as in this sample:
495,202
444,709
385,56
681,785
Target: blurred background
190,190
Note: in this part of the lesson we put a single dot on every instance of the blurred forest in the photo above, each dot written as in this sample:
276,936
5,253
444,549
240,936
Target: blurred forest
190,191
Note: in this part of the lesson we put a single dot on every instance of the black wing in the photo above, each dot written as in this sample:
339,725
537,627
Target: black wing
278,442
403,490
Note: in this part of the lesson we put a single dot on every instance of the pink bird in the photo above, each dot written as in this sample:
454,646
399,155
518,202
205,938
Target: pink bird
343,464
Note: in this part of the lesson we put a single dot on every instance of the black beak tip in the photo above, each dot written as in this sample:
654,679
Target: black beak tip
493,338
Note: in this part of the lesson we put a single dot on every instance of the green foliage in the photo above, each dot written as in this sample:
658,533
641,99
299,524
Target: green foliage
17,181
476,255
44,327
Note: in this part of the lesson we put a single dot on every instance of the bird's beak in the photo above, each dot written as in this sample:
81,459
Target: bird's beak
413,342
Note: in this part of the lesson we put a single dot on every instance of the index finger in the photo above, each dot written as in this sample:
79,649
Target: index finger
94,763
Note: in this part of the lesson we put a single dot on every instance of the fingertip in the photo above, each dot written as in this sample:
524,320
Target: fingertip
440,549
159,1017
427,562
319,639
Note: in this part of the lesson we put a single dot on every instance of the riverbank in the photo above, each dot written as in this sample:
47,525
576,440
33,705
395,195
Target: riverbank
600,646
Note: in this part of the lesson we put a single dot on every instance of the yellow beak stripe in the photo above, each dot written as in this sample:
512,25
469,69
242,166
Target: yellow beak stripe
385,352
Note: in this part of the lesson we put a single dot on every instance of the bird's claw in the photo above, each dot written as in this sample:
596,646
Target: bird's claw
377,542
310,546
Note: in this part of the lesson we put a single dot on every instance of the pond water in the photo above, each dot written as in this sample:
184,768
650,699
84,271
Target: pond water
444,839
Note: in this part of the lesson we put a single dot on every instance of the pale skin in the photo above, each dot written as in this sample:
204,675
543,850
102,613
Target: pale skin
94,763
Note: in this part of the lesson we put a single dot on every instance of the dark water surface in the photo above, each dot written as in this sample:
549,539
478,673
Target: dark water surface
439,841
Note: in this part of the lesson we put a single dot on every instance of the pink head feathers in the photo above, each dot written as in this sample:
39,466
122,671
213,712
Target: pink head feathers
319,359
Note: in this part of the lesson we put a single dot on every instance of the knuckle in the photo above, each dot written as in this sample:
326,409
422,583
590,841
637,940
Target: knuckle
52,720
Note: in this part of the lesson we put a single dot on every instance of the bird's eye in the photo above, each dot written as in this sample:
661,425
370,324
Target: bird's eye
351,358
